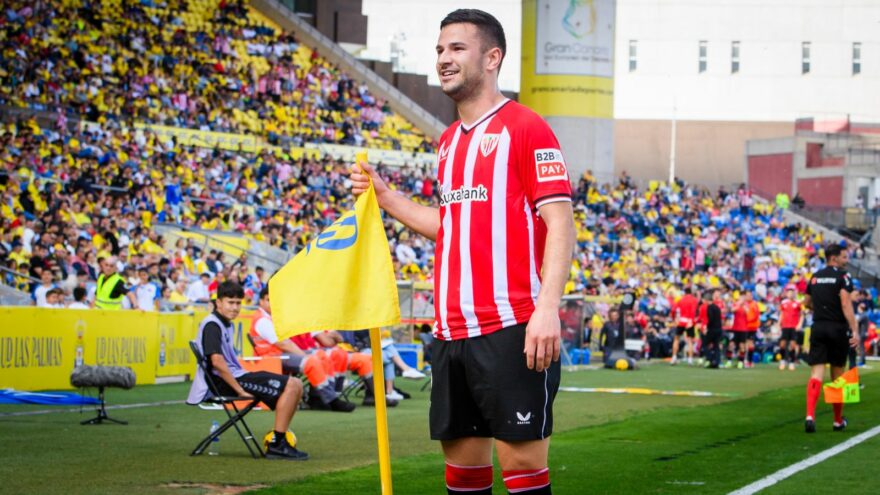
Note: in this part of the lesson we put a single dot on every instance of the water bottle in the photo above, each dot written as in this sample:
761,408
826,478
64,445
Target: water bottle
214,448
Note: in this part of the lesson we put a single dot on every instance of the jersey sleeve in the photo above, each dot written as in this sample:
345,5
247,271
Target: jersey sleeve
542,166
846,282
266,330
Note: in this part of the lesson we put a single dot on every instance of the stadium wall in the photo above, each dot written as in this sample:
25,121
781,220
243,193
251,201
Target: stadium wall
707,152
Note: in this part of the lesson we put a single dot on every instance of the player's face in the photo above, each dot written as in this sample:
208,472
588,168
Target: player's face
461,63
229,307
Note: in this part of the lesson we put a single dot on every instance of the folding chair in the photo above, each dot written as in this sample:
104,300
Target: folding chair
234,414
355,388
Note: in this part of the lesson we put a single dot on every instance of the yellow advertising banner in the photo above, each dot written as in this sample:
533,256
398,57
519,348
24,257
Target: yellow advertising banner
38,350
40,347
205,139
568,57
113,338
174,355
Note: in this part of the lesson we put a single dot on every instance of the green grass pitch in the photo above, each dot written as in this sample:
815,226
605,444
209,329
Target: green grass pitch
602,443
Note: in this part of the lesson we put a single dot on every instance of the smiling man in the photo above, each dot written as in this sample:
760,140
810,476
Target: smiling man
505,234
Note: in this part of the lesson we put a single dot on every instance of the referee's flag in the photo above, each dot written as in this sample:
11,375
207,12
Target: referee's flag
342,280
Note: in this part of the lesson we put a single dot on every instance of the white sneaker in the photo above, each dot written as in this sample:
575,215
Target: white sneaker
791,367
394,396
782,365
413,373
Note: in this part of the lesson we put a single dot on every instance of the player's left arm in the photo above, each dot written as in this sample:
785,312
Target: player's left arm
543,331
846,303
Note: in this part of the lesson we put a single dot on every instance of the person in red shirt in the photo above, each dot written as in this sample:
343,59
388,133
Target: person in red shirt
684,315
791,321
505,236
739,329
753,322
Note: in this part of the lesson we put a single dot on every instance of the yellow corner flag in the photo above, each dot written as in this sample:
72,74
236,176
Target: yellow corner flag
342,280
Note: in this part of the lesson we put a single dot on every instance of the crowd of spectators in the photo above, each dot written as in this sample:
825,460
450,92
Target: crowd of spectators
75,197
207,65
58,221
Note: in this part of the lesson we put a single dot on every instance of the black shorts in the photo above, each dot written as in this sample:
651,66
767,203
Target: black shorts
789,334
799,337
740,337
261,384
482,388
690,332
829,343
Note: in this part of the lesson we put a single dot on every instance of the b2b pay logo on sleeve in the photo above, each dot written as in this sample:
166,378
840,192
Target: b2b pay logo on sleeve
550,165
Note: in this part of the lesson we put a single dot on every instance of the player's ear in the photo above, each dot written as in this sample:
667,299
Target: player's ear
493,59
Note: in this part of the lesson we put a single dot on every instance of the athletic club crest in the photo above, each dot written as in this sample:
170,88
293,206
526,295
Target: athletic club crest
488,144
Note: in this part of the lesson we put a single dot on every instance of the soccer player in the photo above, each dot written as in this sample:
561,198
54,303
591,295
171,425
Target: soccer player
684,313
834,329
792,320
740,346
280,392
712,322
753,322
505,235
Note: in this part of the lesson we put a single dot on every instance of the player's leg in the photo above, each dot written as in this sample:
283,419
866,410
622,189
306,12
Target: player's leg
675,340
689,345
818,358
524,466
468,465
814,389
456,420
287,402
794,351
783,352
519,403
839,420
750,343
741,345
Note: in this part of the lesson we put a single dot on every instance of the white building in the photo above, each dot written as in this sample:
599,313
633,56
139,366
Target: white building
725,70
732,70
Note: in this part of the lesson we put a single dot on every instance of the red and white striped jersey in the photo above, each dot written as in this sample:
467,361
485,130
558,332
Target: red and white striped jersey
493,176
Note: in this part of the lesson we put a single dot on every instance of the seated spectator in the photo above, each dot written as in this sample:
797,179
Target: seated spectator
315,364
281,393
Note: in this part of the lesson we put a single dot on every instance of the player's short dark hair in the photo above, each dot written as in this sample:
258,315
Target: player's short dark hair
489,27
231,290
264,293
833,250
79,293
707,295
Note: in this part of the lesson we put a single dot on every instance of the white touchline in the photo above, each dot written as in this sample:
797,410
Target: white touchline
780,475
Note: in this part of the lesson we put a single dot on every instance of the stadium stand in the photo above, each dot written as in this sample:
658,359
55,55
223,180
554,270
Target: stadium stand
197,64
72,194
